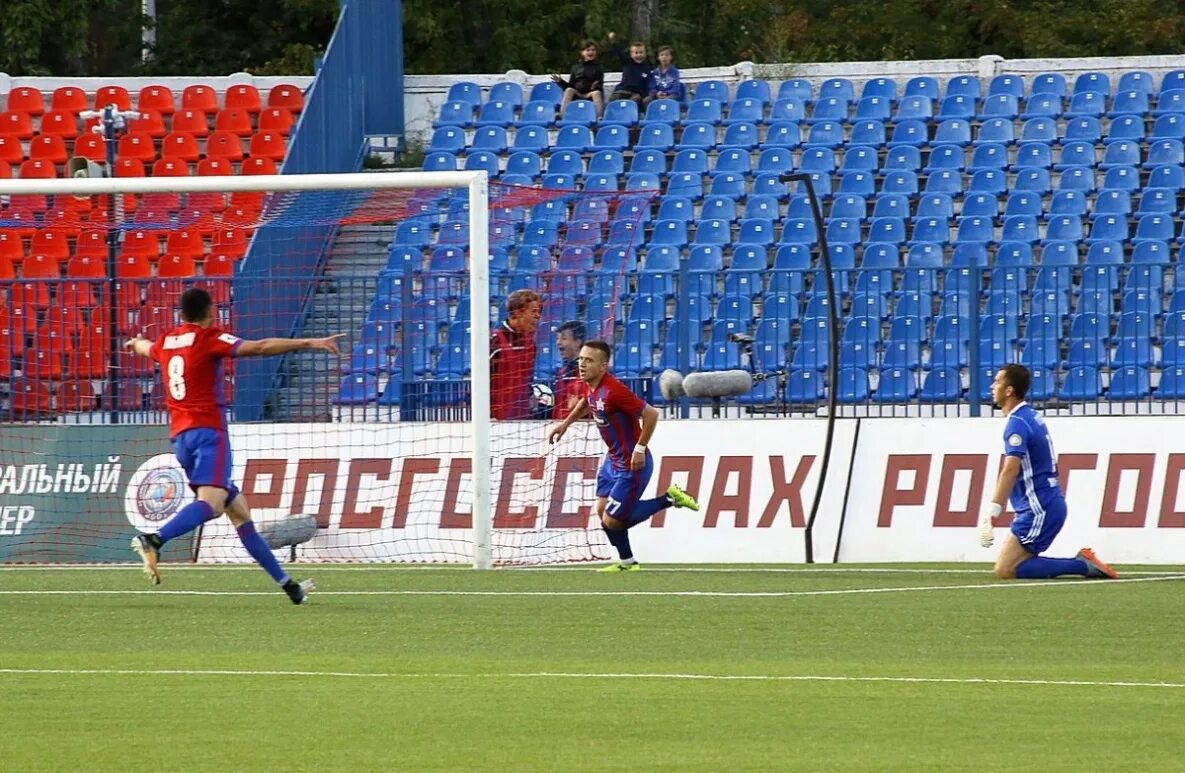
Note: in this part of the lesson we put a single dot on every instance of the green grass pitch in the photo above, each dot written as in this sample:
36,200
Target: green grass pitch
674,669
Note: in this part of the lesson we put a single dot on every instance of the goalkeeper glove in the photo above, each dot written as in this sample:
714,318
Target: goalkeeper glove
989,511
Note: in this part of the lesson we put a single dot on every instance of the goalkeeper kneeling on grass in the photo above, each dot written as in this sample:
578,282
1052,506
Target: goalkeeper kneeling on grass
626,424
1029,481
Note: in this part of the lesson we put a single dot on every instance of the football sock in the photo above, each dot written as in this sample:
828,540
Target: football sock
186,520
620,539
644,509
261,552
1038,568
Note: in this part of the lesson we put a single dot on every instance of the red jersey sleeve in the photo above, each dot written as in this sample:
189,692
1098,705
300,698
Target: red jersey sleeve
157,345
624,400
217,344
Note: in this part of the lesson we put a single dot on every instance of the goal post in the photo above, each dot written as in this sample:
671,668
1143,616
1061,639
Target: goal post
280,189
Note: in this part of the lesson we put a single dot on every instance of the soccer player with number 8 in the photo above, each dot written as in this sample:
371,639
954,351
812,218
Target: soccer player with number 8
191,357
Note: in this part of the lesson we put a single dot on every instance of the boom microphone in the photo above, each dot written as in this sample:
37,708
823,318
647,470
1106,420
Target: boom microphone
288,530
724,383
670,384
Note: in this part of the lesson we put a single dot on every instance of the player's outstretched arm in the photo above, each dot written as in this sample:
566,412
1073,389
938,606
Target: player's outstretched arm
995,505
266,347
139,345
579,411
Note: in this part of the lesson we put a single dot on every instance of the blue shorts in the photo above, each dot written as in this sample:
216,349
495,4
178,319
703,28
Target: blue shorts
1037,532
204,454
622,487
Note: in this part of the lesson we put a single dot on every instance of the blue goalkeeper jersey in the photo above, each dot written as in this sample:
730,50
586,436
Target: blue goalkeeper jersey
1027,437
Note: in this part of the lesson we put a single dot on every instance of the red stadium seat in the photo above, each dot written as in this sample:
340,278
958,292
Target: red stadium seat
91,146
175,266
19,222
214,166
191,121
49,147
92,358
12,346
243,96
30,399
69,98
138,146
92,243
26,99
258,165
235,120
218,265
180,145
205,201
200,97
243,211
268,145
200,221
231,242
286,96
186,243
64,220
170,167
60,123
5,170
38,273
37,169
19,319
155,208
276,119
223,144
150,122
66,319
10,150
85,274
45,364
154,321
16,124
50,243
141,243
76,395
129,167
155,97
12,250
113,95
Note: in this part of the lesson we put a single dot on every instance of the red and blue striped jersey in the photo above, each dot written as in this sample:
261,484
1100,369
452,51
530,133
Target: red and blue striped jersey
617,412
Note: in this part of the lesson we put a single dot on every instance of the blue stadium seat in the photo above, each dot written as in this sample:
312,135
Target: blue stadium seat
859,158
1126,128
641,182
536,113
1077,178
705,110
1169,102
874,108
600,183
1084,128
963,85
891,205
1121,153
676,208
1130,382
1019,203
779,307
1090,103
743,136
756,231
848,205
747,110
754,89
916,106
715,232
624,233
902,157
1039,130
945,157
656,136
733,160
996,130
1076,153
804,387
945,181
575,137
784,134
456,113
843,230
990,155
440,161
903,346
712,89
1000,106
861,184
1083,382
922,85
1129,103
788,110
718,208
931,230
797,88
1171,177
1042,106
689,184
900,181
507,92
1049,83
853,385
942,385
830,109
1169,127
579,112
867,132
612,137
606,162
620,112
1033,180
859,342
547,91
664,112
799,231
910,132
1034,155
839,88
670,233
566,162
1014,254
496,113
1161,201
954,131
957,106
525,163
727,184
890,230
698,135
826,134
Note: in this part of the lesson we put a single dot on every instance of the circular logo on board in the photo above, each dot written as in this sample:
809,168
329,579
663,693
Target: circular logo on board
156,491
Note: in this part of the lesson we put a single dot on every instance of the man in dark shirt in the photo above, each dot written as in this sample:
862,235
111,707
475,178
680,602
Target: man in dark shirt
586,81
569,337
512,357
635,71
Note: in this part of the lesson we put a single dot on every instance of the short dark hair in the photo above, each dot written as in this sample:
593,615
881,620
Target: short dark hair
601,347
575,327
669,50
195,304
588,43
1018,377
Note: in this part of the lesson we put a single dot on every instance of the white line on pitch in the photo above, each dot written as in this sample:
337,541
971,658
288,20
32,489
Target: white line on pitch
608,593
590,677
650,569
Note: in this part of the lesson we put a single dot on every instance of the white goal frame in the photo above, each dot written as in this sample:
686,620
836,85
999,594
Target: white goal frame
477,184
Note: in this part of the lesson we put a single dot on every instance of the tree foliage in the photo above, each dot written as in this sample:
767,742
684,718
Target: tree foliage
102,37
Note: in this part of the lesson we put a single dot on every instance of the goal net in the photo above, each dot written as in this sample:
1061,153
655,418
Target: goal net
390,448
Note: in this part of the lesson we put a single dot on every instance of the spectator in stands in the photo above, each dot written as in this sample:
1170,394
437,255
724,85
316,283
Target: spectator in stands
635,71
512,357
569,337
586,81
664,79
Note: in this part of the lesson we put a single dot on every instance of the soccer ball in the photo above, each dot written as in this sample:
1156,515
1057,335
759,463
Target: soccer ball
543,394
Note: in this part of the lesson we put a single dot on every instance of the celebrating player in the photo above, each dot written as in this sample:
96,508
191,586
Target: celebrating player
626,423
569,337
190,358
1029,481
